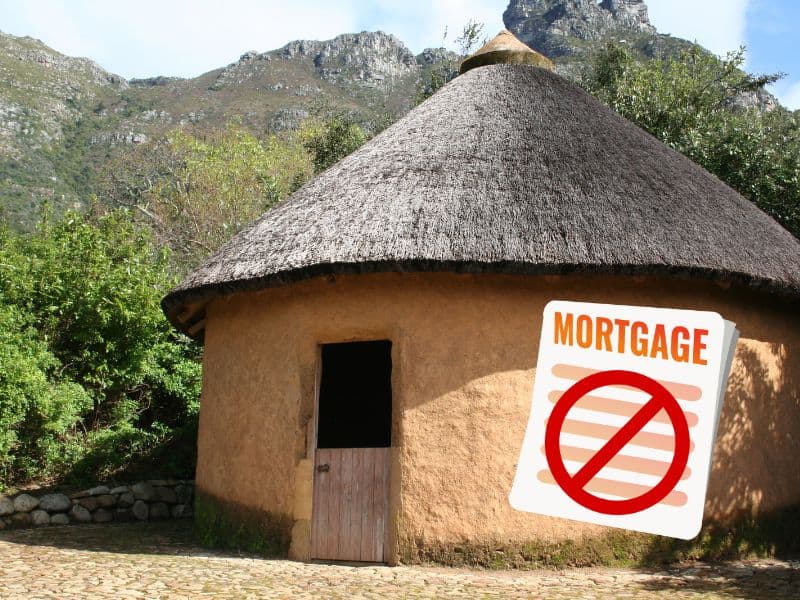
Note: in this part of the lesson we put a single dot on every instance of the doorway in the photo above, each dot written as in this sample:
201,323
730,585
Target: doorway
354,428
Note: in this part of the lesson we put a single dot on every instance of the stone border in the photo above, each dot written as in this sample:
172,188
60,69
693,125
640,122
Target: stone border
142,501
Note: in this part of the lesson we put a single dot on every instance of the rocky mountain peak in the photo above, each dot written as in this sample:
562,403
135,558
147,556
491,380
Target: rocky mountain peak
371,58
548,25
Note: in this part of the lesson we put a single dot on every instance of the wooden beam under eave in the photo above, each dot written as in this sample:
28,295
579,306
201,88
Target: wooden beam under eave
188,313
196,328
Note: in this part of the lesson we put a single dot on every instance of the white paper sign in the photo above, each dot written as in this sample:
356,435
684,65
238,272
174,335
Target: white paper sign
624,413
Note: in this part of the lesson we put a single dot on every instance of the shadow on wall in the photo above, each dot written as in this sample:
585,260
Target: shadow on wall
755,482
754,467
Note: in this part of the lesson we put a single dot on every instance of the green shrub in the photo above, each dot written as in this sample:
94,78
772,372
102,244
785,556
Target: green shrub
93,376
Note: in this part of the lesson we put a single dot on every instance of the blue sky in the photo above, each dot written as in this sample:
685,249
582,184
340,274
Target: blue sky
189,37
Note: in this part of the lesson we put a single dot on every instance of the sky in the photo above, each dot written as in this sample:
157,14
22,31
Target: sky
189,37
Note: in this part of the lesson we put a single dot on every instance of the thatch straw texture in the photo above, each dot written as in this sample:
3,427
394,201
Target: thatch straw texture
506,49
507,169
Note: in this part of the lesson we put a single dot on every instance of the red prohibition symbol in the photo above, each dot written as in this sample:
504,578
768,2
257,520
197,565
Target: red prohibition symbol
573,485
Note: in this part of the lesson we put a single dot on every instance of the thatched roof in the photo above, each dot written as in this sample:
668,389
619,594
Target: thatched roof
506,49
507,169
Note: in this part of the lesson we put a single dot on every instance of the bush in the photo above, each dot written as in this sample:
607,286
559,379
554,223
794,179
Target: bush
93,376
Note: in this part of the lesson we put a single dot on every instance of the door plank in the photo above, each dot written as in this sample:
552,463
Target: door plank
350,504
335,504
316,506
379,491
366,545
356,505
346,504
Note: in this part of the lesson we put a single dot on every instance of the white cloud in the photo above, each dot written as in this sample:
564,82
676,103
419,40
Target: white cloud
718,25
788,92
175,37
421,24
189,37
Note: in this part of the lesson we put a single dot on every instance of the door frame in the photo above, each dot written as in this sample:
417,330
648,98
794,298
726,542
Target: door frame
388,557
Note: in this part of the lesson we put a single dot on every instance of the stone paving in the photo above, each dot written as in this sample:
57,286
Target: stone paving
159,560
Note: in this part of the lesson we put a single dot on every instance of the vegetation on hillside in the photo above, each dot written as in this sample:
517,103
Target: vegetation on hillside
197,191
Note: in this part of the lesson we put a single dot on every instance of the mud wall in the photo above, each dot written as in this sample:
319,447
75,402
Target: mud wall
464,351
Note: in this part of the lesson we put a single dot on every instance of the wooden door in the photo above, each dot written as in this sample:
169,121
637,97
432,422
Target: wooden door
350,504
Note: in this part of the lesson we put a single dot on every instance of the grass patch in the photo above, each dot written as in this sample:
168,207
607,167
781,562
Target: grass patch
775,534
228,525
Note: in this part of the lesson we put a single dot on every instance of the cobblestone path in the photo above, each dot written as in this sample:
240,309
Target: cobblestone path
159,560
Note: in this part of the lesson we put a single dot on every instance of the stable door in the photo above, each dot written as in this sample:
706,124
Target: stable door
351,475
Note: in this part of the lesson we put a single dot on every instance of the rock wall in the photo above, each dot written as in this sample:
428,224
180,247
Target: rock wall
142,501
554,26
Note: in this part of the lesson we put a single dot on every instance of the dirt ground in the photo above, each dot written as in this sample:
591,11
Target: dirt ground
160,561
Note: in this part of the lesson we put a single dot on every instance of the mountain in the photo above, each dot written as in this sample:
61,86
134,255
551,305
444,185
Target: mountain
569,31
62,118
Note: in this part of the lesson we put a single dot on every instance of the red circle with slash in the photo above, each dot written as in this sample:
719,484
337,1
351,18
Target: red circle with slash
660,399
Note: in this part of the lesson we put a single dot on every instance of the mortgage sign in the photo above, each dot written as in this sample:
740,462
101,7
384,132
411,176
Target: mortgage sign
625,407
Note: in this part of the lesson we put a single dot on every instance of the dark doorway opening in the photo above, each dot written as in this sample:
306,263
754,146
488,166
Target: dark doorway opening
355,396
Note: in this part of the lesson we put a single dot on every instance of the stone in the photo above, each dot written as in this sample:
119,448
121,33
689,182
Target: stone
21,519
126,500
99,490
143,491
166,494
106,500
184,494
578,28
123,514
178,511
80,514
140,510
6,506
78,495
120,489
40,517
54,503
3,524
59,519
159,510
102,515
25,503
90,503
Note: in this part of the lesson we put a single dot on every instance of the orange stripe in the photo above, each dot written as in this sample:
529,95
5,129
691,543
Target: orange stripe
634,464
620,489
681,391
619,407
657,441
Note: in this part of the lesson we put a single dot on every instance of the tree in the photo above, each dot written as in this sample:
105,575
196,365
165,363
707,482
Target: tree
39,408
329,139
196,193
693,103
447,70
86,353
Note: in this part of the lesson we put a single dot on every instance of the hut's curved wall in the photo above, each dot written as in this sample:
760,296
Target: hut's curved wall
464,351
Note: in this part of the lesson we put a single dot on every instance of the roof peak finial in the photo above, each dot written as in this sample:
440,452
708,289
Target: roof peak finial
506,48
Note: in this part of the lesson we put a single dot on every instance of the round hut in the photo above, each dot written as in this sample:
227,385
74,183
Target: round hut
370,343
